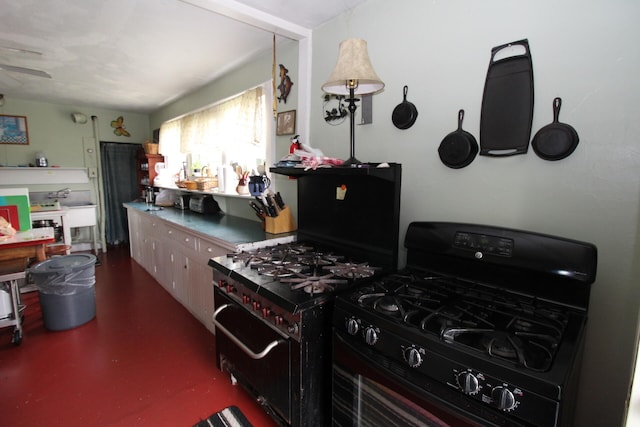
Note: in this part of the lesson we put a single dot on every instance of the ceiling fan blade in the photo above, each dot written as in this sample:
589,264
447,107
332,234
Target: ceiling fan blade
20,50
23,70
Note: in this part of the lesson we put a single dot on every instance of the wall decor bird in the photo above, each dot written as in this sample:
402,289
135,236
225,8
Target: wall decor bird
285,84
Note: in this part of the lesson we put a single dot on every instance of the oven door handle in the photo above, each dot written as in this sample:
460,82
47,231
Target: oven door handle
239,343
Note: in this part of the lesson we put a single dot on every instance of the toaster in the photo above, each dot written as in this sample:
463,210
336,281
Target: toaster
204,205
182,201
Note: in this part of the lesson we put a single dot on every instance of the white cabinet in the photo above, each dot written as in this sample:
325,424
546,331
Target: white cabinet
177,259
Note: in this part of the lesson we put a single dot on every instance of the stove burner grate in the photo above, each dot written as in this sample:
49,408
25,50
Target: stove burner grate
281,270
314,284
352,270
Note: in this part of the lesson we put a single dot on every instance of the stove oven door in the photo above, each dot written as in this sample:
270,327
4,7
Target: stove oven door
256,355
370,391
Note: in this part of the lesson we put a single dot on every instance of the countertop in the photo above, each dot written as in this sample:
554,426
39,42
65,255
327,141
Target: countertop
232,232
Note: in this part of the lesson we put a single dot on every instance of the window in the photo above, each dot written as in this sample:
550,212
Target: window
236,130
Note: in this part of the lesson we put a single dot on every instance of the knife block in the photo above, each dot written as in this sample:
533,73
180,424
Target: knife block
283,223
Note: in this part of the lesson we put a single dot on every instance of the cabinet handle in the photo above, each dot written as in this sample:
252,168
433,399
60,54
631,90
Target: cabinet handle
239,343
209,249
186,239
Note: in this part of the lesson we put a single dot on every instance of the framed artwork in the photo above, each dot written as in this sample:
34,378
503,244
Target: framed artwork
13,130
286,123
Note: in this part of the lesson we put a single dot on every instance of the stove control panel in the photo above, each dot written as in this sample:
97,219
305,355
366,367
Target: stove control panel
262,308
483,243
498,394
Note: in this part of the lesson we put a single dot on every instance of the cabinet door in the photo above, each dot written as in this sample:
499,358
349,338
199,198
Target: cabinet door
180,265
200,284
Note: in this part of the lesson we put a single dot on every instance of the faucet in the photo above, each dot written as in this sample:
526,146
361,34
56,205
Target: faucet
64,193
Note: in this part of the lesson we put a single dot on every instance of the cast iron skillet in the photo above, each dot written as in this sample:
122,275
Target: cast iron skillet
556,140
405,113
459,148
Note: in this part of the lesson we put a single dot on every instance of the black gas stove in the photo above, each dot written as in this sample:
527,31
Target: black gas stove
484,327
274,305
279,282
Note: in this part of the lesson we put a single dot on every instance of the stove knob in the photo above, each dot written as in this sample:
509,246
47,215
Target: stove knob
266,312
256,305
293,328
352,326
468,383
370,335
278,320
503,398
246,299
230,288
413,357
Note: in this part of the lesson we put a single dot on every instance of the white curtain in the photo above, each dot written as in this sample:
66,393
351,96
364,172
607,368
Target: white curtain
230,131
169,144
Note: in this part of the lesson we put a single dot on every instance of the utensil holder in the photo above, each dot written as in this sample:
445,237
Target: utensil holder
283,223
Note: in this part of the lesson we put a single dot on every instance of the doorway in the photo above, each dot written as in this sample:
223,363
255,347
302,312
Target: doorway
120,186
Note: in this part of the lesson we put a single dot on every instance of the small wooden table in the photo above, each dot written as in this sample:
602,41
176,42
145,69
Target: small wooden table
26,244
15,253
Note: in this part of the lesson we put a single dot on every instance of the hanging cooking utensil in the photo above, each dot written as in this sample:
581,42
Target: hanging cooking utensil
507,101
556,140
459,148
405,113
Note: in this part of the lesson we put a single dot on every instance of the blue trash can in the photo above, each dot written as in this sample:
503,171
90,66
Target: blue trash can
66,289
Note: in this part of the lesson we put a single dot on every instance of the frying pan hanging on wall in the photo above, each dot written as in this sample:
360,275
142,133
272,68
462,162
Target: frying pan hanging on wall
459,148
556,140
405,113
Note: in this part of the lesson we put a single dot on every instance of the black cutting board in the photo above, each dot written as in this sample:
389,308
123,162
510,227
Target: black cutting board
507,101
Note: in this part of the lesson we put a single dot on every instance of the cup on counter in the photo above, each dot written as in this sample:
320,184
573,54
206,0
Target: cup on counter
258,184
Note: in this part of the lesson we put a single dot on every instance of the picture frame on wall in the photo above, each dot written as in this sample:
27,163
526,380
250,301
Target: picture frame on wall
13,130
286,123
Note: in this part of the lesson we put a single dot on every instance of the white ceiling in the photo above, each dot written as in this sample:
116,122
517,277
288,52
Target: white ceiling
138,55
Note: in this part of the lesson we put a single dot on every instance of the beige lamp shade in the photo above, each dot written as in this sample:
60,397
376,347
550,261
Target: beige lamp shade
353,65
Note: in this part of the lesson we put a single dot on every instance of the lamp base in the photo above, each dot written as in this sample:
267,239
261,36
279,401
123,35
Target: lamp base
351,162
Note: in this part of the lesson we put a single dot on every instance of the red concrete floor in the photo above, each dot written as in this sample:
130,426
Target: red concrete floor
143,361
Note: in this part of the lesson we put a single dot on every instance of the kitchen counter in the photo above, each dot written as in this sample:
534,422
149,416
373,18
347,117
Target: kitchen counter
232,232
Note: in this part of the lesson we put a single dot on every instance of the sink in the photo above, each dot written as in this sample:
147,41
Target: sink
81,216
75,205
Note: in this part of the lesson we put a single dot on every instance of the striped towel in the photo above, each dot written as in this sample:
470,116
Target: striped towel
228,417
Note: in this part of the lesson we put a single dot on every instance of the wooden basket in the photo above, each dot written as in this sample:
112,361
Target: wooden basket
150,148
204,184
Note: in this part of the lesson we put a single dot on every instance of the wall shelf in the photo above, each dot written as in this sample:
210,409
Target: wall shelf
29,176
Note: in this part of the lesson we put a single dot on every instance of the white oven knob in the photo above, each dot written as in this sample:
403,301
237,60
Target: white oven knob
352,326
503,398
412,357
370,335
468,383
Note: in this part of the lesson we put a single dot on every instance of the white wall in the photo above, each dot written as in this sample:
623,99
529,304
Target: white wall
52,131
583,51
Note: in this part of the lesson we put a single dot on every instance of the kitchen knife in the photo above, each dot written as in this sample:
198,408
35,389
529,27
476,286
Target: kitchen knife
271,206
262,204
279,201
256,208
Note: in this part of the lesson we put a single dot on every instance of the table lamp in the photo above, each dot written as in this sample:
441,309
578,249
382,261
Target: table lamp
353,75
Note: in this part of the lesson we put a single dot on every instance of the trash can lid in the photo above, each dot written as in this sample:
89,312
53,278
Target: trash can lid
64,264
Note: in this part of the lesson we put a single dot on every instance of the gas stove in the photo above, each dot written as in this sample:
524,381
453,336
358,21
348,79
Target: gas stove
286,279
489,320
274,305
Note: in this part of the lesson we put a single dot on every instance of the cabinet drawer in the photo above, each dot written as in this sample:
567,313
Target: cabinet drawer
209,250
185,239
